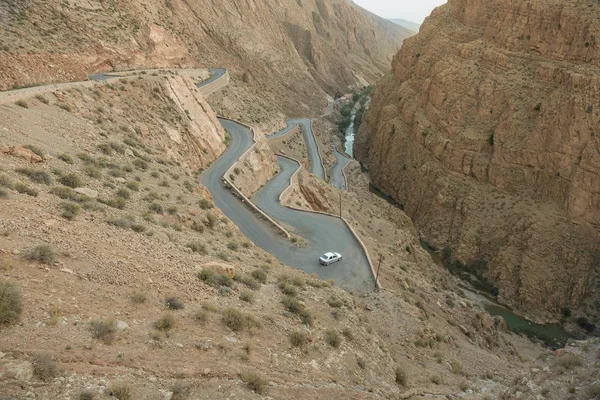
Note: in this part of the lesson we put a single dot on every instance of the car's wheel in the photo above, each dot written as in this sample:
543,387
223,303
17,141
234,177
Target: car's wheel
326,263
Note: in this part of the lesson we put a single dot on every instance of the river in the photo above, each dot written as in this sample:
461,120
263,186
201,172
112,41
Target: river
349,143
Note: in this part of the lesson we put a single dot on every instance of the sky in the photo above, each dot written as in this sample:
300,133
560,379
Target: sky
410,10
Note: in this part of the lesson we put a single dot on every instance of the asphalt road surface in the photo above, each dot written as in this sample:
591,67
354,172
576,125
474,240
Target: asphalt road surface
311,144
336,176
321,233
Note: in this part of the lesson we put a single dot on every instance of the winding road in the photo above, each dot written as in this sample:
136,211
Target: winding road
336,175
314,157
321,232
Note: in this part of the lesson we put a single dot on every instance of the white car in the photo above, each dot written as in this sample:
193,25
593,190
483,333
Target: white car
329,258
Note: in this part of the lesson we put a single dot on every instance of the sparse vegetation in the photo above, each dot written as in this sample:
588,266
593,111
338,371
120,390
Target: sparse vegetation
205,204
35,175
44,367
66,193
121,391
41,98
335,302
24,189
11,304
86,395
43,254
298,338
165,323
71,180
138,297
200,249
22,103
233,319
173,303
260,275
569,360
104,330
247,296
70,210
255,382
64,106
333,338
114,202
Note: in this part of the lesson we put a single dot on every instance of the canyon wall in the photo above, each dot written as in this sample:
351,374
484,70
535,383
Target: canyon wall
487,133
288,50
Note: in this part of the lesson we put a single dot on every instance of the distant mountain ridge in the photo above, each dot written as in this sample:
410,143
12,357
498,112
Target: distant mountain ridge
412,26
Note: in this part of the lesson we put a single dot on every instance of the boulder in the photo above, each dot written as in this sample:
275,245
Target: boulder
91,193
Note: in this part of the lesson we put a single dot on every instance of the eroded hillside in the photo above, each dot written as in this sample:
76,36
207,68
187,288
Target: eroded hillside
487,134
288,49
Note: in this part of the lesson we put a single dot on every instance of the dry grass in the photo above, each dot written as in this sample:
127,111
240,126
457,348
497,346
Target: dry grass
121,391
333,338
165,323
299,339
11,305
233,319
255,382
44,367
43,254
104,330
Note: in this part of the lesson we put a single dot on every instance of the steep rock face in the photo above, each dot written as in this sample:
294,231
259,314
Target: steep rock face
288,47
487,133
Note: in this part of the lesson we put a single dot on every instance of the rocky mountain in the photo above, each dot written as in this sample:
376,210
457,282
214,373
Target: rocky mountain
281,48
413,26
487,134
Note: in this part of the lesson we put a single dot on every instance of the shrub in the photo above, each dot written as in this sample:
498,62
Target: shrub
197,248
39,152
105,149
35,175
180,391
123,222
165,323
11,305
44,367
306,317
247,296
140,164
121,391
117,147
233,319
41,98
436,379
288,289
115,202
22,188
133,185
292,304
104,330
569,360
233,246
66,158
5,181
173,303
70,210
335,302
457,368
211,220
156,208
255,382
198,227
64,106
66,193
247,280
298,339
71,180
205,204
201,316
172,210
93,171
124,193
138,297
86,395
3,193
259,275
117,172
400,376
593,392
333,338
42,253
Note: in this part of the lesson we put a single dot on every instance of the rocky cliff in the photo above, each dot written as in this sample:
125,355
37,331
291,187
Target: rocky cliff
487,133
282,48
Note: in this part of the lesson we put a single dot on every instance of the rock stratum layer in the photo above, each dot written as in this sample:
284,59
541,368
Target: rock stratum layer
487,133
281,47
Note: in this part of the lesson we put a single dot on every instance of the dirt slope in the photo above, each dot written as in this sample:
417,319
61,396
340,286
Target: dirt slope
487,133
278,47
